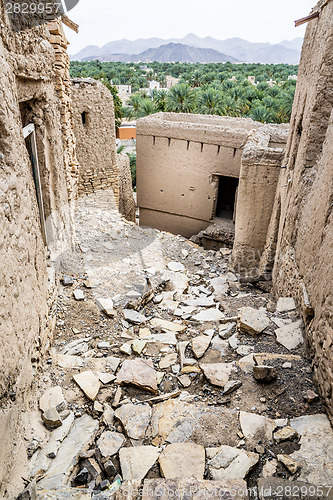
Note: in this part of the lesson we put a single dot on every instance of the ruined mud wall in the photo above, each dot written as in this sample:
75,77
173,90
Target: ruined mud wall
260,170
177,157
126,199
27,96
95,133
304,240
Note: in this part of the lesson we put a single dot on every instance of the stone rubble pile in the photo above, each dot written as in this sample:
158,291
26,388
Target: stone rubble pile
205,386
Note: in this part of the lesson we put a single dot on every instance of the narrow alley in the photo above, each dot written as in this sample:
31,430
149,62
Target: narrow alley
169,378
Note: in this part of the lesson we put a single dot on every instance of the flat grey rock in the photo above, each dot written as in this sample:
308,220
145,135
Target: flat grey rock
110,442
181,460
256,428
137,372
136,462
89,383
252,321
135,419
290,336
134,317
227,462
78,440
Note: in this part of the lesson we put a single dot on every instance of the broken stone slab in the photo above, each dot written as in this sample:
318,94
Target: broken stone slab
51,418
285,304
292,465
210,315
106,378
176,267
264,373
316,449
176,421
217,373
285,434
78,295
261,358
137,372
41,460
78,440
168,361
136,462
256,428
269,468
52,398
200,302
134,317
189,488
110,443
290,336
126,349
135,419
226,462
200,345
181,460
138,346
168,338
244,350
225,330
185,380
67,280
246,363
231,387
167,325
107,306
252,321
234,342
76,347
112,363
89,383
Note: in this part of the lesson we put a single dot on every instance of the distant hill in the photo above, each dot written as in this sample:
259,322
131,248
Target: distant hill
171,52
287,52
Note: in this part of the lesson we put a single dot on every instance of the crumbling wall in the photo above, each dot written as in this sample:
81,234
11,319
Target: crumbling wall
303,263
126,199
27,96
261,166
94,125
178,156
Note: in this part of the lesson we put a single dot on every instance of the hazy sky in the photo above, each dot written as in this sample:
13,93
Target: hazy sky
102,21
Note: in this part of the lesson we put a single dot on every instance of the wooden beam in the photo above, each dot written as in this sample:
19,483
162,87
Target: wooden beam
306,19
70,24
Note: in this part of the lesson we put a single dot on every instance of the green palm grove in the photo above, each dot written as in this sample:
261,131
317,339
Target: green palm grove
212,89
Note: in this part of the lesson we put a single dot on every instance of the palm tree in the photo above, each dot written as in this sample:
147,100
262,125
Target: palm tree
160,100
146,108
210,102
135,102
181,99
262,114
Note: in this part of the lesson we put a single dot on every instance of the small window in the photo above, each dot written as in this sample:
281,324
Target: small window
84,117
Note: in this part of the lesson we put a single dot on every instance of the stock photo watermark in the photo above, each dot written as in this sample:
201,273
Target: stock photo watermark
26,14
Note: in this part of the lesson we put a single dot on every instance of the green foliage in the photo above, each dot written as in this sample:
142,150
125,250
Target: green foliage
118,105
221,89
181,99
132,159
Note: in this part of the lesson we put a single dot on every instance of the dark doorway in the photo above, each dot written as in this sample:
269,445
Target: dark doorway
227,197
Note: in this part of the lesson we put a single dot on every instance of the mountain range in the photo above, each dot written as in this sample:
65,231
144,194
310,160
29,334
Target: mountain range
171,52
231,49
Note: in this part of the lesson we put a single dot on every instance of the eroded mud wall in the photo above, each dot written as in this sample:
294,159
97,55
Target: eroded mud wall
95,133
304,241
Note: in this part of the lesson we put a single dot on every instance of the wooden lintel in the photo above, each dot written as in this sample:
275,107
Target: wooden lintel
306,19
70,24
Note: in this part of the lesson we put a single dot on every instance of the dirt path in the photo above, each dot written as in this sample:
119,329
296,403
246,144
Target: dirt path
156,386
